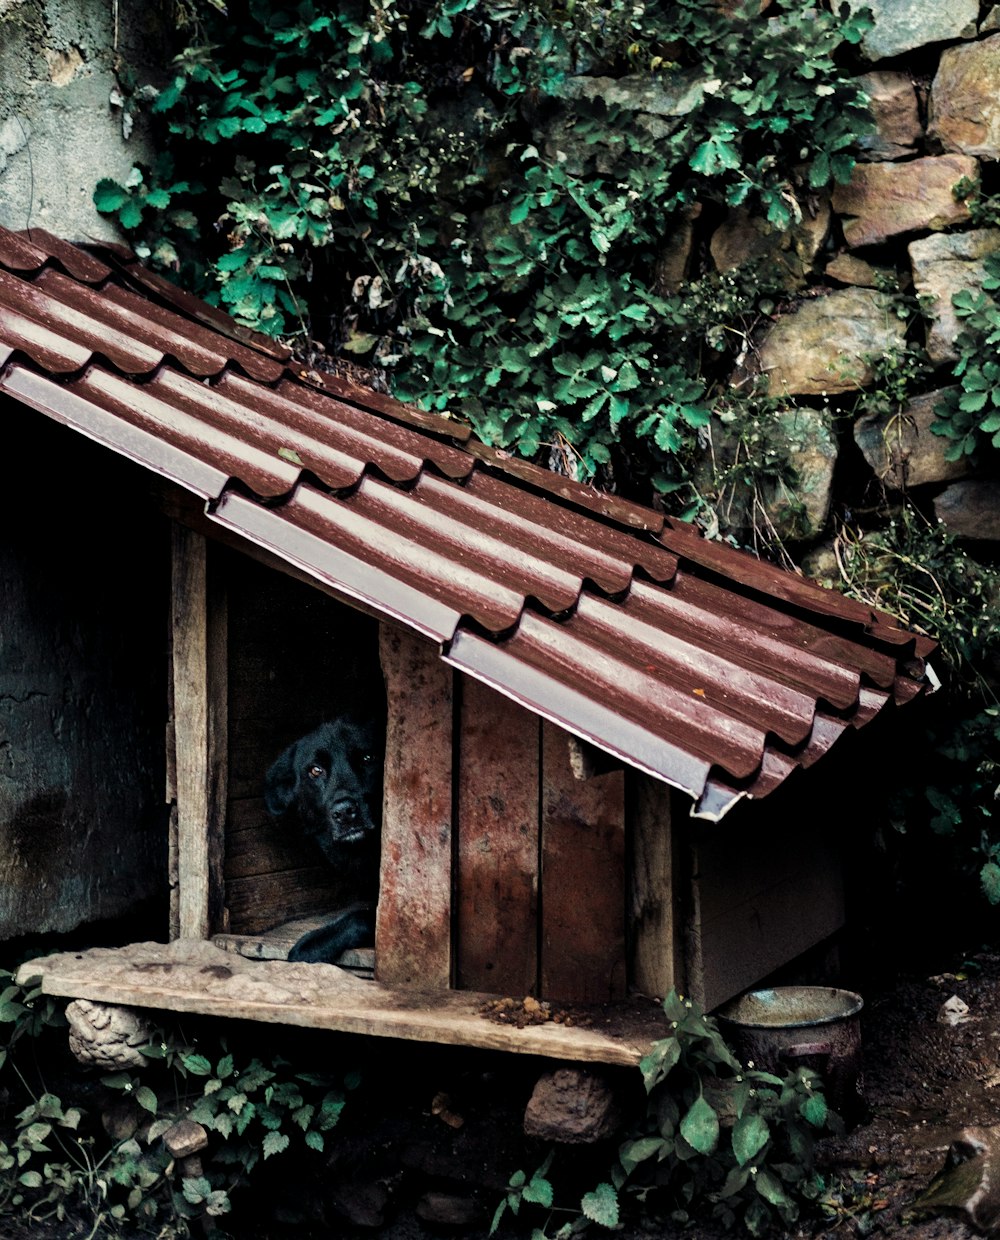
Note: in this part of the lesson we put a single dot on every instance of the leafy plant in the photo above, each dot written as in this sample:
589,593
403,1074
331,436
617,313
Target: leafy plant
719,1138
475,195
61,1165
969,414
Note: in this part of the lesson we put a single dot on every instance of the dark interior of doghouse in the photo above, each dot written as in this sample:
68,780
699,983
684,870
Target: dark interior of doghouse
296,657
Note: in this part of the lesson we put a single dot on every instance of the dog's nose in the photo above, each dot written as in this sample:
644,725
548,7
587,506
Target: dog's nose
345,812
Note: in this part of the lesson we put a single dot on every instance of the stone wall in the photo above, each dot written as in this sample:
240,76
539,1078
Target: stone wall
932,73
65,118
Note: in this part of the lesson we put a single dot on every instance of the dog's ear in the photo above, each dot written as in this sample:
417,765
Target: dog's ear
281,783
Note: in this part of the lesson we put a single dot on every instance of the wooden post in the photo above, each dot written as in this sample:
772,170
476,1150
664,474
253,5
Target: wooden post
198,672
656,916
583,878
497,855
413,927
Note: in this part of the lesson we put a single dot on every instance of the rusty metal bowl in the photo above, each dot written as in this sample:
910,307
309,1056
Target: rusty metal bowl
810,1026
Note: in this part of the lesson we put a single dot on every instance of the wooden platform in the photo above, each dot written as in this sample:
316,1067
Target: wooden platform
192,975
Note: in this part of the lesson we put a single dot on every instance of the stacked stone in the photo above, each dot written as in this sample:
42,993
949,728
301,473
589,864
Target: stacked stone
932,131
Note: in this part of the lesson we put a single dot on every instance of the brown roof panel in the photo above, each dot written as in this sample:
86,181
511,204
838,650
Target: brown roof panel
36,249
697,663
350,574
103,426
397,451
151,407
169,336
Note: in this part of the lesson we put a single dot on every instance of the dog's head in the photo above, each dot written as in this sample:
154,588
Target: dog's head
330,781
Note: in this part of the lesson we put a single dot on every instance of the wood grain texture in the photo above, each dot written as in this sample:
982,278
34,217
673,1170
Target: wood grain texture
497,853
413,929
194,976
583,878
655,908
198,671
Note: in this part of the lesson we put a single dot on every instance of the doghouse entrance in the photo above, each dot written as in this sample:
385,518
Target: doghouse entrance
296,659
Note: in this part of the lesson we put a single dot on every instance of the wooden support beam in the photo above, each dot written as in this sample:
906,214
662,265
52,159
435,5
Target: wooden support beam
413,927
198,675
497,854
656,917
583,878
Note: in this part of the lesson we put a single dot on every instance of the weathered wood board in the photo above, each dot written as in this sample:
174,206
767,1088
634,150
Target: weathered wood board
583,879
199,732
759,899
656,889
413,929
192,976
497,852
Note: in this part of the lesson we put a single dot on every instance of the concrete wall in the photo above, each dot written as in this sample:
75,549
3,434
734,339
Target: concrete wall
59,131
83,595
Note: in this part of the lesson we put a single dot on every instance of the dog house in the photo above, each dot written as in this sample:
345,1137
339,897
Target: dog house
601,727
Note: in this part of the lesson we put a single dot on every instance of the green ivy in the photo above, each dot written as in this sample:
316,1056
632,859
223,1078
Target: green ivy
462,193
969,414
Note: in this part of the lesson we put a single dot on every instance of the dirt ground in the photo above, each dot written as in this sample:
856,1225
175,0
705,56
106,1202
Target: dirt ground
924,1082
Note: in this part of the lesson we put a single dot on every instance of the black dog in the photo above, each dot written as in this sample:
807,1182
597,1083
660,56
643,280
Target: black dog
329,784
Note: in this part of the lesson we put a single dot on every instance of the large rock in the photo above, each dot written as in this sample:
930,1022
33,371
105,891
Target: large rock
902,25
883,200
742,236
965,100
901,448
971,509
849,269
893,102
827,344
942,266
651,105
572,1105
767,507
801,511
673,263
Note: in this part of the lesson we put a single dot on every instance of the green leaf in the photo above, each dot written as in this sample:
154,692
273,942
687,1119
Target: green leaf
601,1206
197,1065
814,1109
274,1143
770,1188
700,1127
538,1190
989,876
109,196
632,1153
130,216
146,1099
750,1135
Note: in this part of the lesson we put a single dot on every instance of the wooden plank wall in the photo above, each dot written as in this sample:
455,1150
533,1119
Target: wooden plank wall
583,878
498,842
656,890
413,930
763,891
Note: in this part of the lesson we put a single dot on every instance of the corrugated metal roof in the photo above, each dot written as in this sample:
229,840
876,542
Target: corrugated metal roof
709,669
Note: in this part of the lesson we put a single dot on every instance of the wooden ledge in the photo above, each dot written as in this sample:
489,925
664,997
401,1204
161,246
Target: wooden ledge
191,975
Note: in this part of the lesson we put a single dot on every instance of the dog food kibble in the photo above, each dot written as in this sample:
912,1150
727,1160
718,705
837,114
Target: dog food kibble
528,1011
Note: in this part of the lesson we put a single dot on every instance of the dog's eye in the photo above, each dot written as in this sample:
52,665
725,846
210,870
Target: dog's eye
316,771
